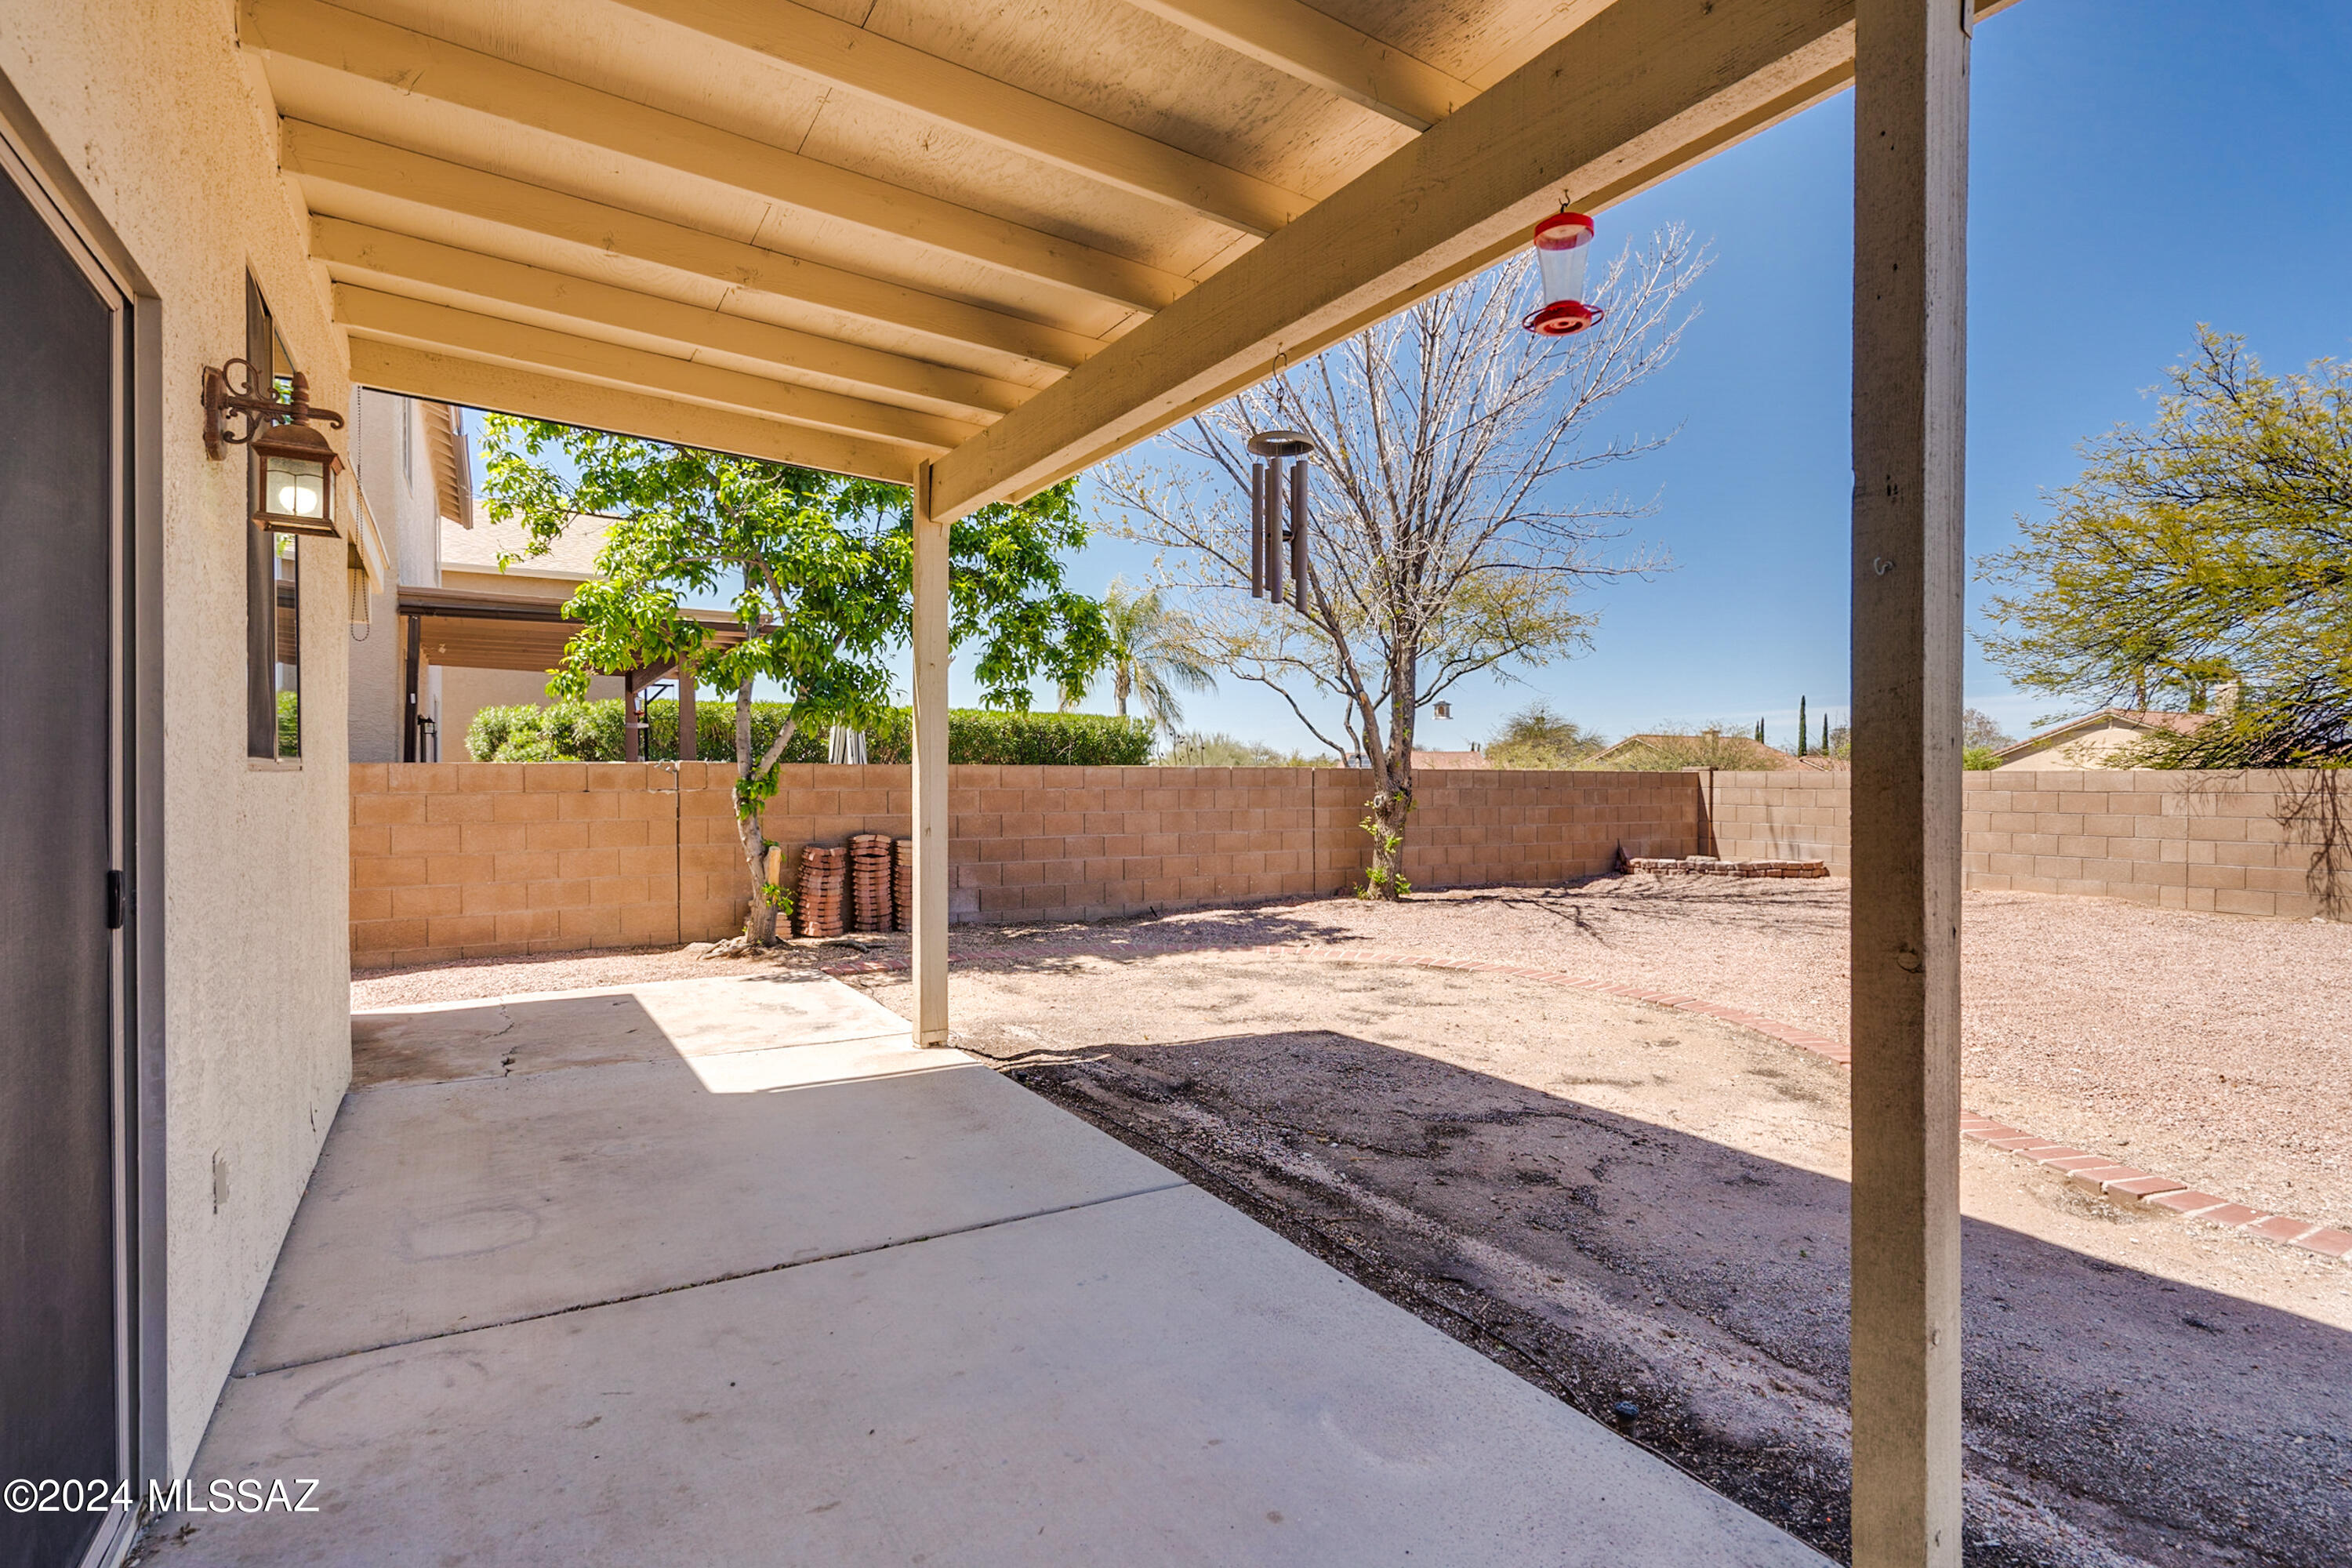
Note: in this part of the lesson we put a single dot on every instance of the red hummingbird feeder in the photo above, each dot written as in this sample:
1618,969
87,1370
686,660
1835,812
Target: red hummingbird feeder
1563,247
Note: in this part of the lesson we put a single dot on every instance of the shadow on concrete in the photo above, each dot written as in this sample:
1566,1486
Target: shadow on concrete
1619,1262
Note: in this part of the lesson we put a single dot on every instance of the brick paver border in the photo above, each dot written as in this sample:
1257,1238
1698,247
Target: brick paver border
2096,1173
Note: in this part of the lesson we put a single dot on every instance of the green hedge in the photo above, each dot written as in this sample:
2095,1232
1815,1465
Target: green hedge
591,732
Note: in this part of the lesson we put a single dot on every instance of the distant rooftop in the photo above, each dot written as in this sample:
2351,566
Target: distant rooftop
477,548
2139,720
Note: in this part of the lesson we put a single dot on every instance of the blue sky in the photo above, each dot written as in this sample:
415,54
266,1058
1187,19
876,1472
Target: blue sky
2137,166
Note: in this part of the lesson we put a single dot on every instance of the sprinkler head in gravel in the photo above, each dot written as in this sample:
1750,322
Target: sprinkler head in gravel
1625,1408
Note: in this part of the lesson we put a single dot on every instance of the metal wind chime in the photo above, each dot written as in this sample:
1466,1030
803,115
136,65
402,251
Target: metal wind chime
1278,516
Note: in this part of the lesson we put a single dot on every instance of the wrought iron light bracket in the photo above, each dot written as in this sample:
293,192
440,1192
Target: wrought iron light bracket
238,391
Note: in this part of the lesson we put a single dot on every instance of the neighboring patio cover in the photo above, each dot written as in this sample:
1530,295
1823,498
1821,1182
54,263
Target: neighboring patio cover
463,630
982,248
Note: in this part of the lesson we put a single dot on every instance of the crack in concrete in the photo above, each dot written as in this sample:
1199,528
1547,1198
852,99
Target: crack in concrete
624,1299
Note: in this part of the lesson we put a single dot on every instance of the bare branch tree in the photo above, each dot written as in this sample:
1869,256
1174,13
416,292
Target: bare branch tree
1449,533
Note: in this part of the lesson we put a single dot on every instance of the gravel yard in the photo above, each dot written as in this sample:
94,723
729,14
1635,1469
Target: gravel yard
2212,1049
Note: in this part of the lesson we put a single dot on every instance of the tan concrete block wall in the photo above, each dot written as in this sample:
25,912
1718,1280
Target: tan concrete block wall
1789,815
476,859
2231,843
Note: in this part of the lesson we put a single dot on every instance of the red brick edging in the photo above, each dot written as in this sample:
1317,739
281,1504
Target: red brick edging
2096,1173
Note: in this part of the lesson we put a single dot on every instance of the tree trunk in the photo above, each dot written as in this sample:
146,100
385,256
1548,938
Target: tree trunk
760,923
1392,802
1120,684
1390,805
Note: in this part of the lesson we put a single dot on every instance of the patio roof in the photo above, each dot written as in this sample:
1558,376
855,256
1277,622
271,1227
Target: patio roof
1009,241
501,631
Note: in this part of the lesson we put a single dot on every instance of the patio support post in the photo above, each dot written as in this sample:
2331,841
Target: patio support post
931,726
630,750
409,732
1910,249
687,751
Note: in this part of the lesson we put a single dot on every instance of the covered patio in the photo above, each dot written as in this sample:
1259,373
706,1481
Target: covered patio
972,251
1005,251
474,630
725,1269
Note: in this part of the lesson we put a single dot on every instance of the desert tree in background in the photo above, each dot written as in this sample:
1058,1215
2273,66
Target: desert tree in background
2212,547
1536,737
1454,533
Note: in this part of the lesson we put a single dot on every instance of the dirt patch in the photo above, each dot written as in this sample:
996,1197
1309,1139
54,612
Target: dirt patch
1645,1212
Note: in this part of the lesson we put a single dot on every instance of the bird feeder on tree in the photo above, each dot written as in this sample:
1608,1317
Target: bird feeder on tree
1563,245
1278,514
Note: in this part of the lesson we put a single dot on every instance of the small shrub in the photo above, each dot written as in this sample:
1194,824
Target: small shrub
1031,740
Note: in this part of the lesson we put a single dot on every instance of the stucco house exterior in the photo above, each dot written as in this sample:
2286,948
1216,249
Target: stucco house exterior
410,467
2096,739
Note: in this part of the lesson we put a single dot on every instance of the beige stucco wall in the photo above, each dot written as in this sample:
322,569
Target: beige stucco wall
2091,750
153,109
390,463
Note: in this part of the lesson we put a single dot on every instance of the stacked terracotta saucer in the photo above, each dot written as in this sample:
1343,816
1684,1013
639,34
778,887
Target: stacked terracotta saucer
869,881
818,907
902,885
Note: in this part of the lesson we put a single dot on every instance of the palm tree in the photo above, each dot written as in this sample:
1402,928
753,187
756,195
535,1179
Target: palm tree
1150,656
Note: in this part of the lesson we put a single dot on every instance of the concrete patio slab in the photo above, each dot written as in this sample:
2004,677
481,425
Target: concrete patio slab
942,1322
441,1207
507,1035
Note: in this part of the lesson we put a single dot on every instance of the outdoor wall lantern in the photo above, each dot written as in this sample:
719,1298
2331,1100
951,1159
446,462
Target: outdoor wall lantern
1563,247
1286,453
296,482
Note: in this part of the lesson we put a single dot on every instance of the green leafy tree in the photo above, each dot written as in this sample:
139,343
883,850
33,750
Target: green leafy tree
817,569
1536,737
1151,656
2214,546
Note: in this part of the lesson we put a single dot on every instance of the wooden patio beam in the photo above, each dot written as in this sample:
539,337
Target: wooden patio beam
369,313
536,395
324,158
358,252
420,66
1303,43
1641,91
855,60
